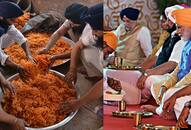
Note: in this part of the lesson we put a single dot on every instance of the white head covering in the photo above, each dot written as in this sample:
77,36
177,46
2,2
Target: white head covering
169,10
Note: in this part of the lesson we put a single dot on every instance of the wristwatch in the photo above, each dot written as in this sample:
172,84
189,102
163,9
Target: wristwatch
188,104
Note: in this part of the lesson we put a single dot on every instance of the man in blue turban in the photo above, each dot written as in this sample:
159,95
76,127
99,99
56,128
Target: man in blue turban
72,15
89,46
89,49
134,39
130,13
9,34
134,46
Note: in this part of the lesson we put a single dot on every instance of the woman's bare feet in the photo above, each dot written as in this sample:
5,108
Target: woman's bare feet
149,108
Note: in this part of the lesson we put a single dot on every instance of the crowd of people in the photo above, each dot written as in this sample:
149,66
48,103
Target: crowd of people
164,70
88,49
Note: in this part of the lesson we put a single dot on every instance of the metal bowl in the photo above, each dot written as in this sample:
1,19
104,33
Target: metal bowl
71,43
55,126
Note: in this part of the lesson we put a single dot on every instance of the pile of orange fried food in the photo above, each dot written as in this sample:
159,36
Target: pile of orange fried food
36,42
38,100
20,21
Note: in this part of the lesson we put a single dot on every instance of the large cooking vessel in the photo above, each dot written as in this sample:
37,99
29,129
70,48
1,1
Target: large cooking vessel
71,43
60,124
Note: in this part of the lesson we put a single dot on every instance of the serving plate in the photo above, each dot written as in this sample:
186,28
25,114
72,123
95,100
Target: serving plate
130,114
123,67
158,127
112,95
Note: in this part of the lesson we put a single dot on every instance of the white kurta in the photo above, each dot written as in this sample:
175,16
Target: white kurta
176,57
143,36
69,24
91,56
12,36
129,79
179,104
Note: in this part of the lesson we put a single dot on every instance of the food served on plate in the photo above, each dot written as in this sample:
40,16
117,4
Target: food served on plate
114,84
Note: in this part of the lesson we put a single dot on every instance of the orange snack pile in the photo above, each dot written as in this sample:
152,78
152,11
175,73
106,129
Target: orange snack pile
38,100
21,21
36,42
41,67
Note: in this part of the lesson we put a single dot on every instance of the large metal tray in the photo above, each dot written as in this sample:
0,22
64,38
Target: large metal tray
58,125
130,114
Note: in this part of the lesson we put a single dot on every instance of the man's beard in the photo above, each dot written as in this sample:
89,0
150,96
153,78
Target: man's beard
185,38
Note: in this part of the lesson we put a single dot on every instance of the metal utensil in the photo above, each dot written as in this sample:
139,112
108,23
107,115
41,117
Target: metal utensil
122,105
138,119
59,124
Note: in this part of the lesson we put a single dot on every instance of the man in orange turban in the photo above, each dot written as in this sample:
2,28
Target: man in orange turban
183,17
175,102
110,43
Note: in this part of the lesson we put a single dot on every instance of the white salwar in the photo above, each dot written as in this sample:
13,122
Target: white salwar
91,59
128,80
90,55
175,57
12,36
179,104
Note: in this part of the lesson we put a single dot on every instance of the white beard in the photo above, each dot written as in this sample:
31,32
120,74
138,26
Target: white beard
185,38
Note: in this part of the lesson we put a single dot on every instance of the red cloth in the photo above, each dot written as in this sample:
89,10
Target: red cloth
115,123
